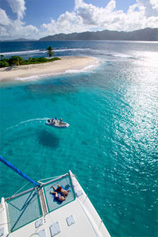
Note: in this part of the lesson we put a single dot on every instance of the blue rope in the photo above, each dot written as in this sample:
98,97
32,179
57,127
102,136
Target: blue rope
7,163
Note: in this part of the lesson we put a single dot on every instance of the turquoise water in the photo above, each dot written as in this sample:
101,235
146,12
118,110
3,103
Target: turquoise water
111,144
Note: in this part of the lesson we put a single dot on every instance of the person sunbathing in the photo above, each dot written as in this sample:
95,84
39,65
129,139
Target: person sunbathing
58,197
64,192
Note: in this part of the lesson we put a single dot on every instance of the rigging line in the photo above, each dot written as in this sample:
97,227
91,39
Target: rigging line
48,178
20,189
7,163
6,223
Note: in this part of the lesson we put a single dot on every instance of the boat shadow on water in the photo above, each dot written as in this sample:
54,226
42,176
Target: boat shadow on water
48,139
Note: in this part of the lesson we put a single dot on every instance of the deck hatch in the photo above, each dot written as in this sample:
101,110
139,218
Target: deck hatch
1,232
39,223
55,229
42,233
70,220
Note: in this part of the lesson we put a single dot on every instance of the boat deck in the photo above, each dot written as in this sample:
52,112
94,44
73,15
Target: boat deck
28,207
36,213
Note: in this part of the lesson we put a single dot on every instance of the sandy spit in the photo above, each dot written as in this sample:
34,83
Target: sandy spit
34,71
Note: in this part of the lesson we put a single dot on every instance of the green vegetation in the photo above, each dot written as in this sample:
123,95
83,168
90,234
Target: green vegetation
16,60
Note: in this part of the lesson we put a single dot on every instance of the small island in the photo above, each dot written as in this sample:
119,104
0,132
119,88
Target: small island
16,60
38,68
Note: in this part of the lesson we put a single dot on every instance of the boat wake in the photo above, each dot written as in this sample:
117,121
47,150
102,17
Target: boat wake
26,122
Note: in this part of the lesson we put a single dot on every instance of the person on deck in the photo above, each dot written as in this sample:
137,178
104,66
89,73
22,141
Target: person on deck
58,197
64,192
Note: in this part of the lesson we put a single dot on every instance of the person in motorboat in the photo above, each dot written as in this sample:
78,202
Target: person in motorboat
51,121
61,121
61,190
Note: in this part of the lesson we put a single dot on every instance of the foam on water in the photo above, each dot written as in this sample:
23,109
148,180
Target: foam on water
29,78
88,68
72,49
26,122
64,50
27,52
24,52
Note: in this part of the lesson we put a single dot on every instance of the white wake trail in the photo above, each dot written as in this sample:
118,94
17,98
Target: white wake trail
26,122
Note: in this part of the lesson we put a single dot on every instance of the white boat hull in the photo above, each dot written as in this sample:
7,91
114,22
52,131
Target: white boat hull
77,217
57,124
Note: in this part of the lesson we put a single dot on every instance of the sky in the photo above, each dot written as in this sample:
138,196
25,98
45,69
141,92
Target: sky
34,19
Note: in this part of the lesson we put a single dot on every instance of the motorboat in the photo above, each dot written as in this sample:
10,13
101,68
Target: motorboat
57,123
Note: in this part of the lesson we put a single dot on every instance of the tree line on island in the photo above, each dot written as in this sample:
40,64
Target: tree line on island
17,60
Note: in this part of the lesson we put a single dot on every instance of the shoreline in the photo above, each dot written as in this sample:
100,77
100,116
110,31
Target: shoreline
67,64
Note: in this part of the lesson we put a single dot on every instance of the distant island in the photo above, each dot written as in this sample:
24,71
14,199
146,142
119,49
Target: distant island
18,40
147,34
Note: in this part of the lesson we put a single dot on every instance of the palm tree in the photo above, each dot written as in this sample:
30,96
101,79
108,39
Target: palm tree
50,51
2,56
16,60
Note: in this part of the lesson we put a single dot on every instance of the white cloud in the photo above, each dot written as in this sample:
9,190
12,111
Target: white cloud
18,7
78,3
84,17
15,29
12,29
138,15
150,7
64,23
93,15
152,22
4,19
154,4
111,6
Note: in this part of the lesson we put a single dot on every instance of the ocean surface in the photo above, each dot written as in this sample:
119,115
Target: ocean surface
111,144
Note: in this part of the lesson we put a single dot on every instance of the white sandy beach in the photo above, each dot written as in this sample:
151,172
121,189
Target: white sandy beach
32,71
